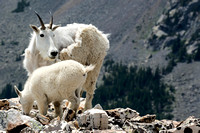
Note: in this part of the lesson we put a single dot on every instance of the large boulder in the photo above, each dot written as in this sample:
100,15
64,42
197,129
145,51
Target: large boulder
13,120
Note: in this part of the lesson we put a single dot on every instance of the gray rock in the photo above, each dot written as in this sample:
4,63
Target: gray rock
4,104
172,12
3,120
98,106
161,19
58,126
191,49
115,127
144,119
43,119
158,32
149,56
169,41
93,119
121,113
13,118
190,125
27,130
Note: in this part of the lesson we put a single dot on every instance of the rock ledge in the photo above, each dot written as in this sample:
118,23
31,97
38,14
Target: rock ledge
96,120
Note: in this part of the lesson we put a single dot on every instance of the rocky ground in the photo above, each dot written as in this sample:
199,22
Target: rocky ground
96,120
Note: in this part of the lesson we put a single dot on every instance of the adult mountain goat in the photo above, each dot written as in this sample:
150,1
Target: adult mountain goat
54,83
80,42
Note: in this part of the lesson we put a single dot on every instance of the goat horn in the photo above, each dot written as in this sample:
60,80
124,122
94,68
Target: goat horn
51,21
41,22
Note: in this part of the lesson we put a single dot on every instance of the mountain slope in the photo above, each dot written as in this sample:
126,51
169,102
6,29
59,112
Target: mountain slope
116,17
176,41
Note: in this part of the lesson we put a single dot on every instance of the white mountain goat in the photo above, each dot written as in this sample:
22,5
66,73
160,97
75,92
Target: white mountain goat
54,83
80,42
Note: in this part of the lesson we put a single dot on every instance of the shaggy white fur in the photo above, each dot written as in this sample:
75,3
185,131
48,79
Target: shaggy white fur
80,42
54,83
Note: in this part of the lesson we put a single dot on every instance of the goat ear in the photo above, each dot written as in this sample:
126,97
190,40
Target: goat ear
17,91
34,28
55,27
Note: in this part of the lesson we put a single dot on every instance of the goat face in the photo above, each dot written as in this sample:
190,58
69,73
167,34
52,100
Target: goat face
24,100
44,39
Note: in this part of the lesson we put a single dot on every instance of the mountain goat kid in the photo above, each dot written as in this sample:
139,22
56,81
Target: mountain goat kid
54,83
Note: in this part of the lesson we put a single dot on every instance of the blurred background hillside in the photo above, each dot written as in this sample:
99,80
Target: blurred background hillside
153,62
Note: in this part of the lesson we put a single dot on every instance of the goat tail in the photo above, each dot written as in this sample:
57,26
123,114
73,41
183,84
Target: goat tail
89,68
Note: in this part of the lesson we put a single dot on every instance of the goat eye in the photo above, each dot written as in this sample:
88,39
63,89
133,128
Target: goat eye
41,35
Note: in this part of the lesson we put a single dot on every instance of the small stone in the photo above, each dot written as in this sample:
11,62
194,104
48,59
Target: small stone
76,124
168,124
3,120
115,127
145,119
128,113
121,113
4,104
158,32
33,113
65,126
55,126
149,56
27,130
113,113
98,106
161,19
191,49
43,119
68,115
172,12
73,125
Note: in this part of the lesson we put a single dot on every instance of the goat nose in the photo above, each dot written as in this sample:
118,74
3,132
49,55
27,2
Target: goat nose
54,53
